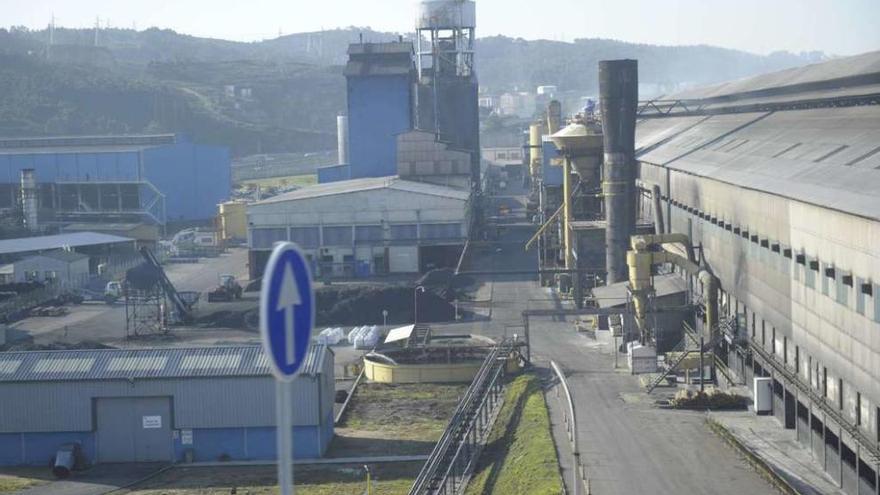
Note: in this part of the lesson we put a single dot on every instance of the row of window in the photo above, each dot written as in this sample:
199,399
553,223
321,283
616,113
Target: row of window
833,282
325,236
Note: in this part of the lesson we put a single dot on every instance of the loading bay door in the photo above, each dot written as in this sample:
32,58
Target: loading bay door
134,429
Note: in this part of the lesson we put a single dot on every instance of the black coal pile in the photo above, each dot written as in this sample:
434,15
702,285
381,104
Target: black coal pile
8,291
142,277
364,305
446,282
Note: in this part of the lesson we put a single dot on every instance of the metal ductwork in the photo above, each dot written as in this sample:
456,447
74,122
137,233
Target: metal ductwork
342,139
659,227
618,96
29,200
650,250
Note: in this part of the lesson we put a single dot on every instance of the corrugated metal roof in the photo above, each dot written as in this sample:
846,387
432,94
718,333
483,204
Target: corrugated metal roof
59,144
60,241
827,157
367,184
609,296
858,66
105,364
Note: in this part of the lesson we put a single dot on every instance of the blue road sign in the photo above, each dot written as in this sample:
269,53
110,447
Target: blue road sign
287,310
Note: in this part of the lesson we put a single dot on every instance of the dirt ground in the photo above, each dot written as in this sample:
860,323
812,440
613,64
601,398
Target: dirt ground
343,479
404,419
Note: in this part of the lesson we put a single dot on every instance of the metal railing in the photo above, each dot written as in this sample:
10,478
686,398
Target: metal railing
579,473
448,468
791,377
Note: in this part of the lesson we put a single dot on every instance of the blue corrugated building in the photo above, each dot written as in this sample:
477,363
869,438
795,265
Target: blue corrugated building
380,80
151,178
158,405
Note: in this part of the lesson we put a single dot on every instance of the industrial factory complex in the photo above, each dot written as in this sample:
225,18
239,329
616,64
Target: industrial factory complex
713,250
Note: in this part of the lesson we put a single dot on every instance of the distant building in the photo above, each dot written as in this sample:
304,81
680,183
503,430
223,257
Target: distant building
130,179
158,405
380,97
62,268
99,247
363,227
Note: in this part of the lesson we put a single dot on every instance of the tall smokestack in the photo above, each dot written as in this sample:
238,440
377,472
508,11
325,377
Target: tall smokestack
29,199
342,138
618,94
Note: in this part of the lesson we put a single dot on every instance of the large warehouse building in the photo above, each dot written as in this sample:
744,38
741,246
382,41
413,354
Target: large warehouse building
158,405
363,227
150,179
777,180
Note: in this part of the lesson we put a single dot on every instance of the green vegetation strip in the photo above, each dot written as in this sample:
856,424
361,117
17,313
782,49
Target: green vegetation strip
519,456
387,479
18,478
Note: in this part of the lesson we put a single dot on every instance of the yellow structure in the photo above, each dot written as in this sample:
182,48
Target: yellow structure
420,373
582,149
233,220
643,256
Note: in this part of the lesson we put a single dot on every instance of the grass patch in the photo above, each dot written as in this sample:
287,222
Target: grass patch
388,479
395,419
14,479
291,180
520,456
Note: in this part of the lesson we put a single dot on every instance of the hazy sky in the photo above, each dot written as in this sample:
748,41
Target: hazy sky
841,27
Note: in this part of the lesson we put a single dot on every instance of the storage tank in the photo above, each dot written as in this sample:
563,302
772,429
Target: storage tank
342,139
536,131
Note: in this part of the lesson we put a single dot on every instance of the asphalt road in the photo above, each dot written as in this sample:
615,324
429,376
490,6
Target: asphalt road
628,445
104,323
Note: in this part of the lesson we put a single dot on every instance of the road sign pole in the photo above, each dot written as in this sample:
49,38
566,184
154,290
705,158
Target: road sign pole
287,316
285,437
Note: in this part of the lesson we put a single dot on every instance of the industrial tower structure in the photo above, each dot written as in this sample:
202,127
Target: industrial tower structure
447,94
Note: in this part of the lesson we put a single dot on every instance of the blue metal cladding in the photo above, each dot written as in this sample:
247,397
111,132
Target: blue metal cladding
209,444
379,108
194,178
552,173
52,167
334,173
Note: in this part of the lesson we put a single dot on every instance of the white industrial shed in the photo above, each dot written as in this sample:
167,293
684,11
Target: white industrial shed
158,405
363,227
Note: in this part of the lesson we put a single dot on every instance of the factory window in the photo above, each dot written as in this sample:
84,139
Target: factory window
441,231
810,274
337,236
307,237
825,283
368,233
407,232
860,296
842,290
266,238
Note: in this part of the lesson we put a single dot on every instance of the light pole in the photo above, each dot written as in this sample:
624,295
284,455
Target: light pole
384,317
416,303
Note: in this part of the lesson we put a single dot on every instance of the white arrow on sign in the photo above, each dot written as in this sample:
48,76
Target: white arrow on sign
288,300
